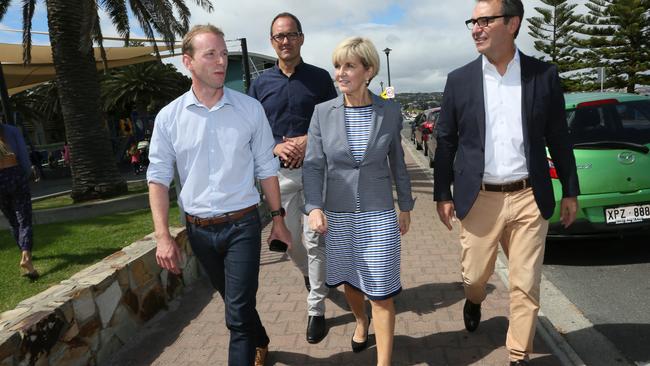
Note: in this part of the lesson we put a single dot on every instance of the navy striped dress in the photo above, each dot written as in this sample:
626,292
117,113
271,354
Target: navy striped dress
363,248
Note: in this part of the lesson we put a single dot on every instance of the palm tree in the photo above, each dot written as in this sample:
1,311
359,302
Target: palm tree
73,27
144,87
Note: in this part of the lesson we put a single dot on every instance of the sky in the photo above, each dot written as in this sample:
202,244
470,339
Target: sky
428,38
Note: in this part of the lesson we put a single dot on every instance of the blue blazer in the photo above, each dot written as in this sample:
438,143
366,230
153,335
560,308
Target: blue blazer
332,178
460,152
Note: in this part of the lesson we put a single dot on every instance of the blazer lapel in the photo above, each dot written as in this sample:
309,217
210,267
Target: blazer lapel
476,78
377,119
527,98
339,127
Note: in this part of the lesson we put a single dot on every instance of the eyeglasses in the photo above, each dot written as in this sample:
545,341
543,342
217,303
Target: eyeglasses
291,36
483,21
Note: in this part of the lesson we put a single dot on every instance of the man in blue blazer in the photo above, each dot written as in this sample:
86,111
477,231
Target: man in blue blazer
499,113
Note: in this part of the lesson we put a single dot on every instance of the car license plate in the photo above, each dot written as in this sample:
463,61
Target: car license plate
627,214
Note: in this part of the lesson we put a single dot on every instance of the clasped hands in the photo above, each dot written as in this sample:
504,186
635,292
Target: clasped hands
291,151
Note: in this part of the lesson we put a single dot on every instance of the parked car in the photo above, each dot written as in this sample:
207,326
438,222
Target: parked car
425,128
430,146
611,137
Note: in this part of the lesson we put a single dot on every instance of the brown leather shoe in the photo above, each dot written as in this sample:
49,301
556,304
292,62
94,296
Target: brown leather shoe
260,355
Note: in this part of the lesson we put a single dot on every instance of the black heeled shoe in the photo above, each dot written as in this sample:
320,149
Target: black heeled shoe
360,346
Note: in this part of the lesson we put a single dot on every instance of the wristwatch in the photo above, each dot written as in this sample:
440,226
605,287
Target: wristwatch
281,212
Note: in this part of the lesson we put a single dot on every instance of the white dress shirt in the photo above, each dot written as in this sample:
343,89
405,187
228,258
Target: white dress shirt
505,159
218,151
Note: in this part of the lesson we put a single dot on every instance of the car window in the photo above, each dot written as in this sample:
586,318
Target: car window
628,121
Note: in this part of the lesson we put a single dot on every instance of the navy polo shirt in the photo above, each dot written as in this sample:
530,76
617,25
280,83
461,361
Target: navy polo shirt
289,101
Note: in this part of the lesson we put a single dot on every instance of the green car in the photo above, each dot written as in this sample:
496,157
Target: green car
611,137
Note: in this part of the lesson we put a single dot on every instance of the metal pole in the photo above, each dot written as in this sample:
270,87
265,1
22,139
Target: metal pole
387,51
602,78
247,71
4,95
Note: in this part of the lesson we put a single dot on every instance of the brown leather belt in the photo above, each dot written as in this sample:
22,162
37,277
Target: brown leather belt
216,220
8,161
507,187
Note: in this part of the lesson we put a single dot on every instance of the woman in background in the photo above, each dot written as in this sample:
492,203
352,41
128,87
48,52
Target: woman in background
354,143
15,197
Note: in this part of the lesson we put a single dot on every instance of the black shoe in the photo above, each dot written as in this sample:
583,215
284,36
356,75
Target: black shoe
471,315
360,346
307,284
315,328
519,363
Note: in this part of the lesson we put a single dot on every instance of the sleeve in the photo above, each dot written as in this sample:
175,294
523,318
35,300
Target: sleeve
558,141
401,176
314,165
21,153
161,152
330,89
252,91
447,144
265,163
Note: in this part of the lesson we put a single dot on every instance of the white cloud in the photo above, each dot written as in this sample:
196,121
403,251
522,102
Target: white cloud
428,40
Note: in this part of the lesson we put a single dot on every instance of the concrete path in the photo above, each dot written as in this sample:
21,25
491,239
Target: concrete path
429,327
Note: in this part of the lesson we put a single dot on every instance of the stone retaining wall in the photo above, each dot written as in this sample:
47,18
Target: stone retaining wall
84,319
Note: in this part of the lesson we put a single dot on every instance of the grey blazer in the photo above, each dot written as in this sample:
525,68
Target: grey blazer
329,157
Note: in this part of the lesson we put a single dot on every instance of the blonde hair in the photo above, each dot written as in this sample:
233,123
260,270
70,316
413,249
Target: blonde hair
363,48
188,48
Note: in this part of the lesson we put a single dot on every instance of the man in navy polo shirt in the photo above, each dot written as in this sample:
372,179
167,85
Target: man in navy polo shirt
289,91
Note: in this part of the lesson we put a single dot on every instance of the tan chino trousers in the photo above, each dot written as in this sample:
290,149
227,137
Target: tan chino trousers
514,220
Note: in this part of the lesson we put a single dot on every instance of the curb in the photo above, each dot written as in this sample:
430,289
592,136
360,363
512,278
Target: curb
547,331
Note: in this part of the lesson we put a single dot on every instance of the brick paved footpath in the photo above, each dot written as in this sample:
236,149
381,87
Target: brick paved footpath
429,325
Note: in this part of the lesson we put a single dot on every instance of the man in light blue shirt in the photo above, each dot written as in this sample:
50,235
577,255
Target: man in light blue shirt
220,141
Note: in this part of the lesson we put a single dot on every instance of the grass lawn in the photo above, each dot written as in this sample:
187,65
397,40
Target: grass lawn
62,249
66,200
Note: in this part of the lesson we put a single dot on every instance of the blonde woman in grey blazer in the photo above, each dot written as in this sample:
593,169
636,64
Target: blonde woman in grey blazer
353,149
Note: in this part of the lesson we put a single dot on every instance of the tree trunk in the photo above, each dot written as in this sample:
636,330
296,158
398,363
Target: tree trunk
94,171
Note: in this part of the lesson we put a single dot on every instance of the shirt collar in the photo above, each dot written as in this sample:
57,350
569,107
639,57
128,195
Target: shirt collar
514,62
190,99
296,69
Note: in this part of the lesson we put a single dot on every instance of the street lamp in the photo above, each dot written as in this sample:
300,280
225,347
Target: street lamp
387,51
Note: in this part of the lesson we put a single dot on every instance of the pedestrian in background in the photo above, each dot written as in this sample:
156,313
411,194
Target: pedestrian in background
289,91
499,113
15,196
353,149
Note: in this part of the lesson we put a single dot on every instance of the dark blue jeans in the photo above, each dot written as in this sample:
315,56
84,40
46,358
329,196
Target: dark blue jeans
16,205
230,254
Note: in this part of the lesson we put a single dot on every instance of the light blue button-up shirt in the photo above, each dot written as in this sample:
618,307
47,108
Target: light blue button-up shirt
218,151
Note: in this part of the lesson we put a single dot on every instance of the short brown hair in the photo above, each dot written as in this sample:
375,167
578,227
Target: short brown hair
188,48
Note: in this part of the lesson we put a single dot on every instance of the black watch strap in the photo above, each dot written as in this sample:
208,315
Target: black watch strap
281,212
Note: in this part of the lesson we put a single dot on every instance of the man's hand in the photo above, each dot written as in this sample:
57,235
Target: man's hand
168,254
446,212
280,232
317,221
568,210
404,222
287,151
300,143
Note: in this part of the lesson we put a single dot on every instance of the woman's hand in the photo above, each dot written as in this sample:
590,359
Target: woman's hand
404,222
318,221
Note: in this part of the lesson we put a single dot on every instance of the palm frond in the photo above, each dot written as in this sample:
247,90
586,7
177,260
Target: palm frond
4,5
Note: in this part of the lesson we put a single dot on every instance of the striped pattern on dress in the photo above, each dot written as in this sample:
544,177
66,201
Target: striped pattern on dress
363,248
